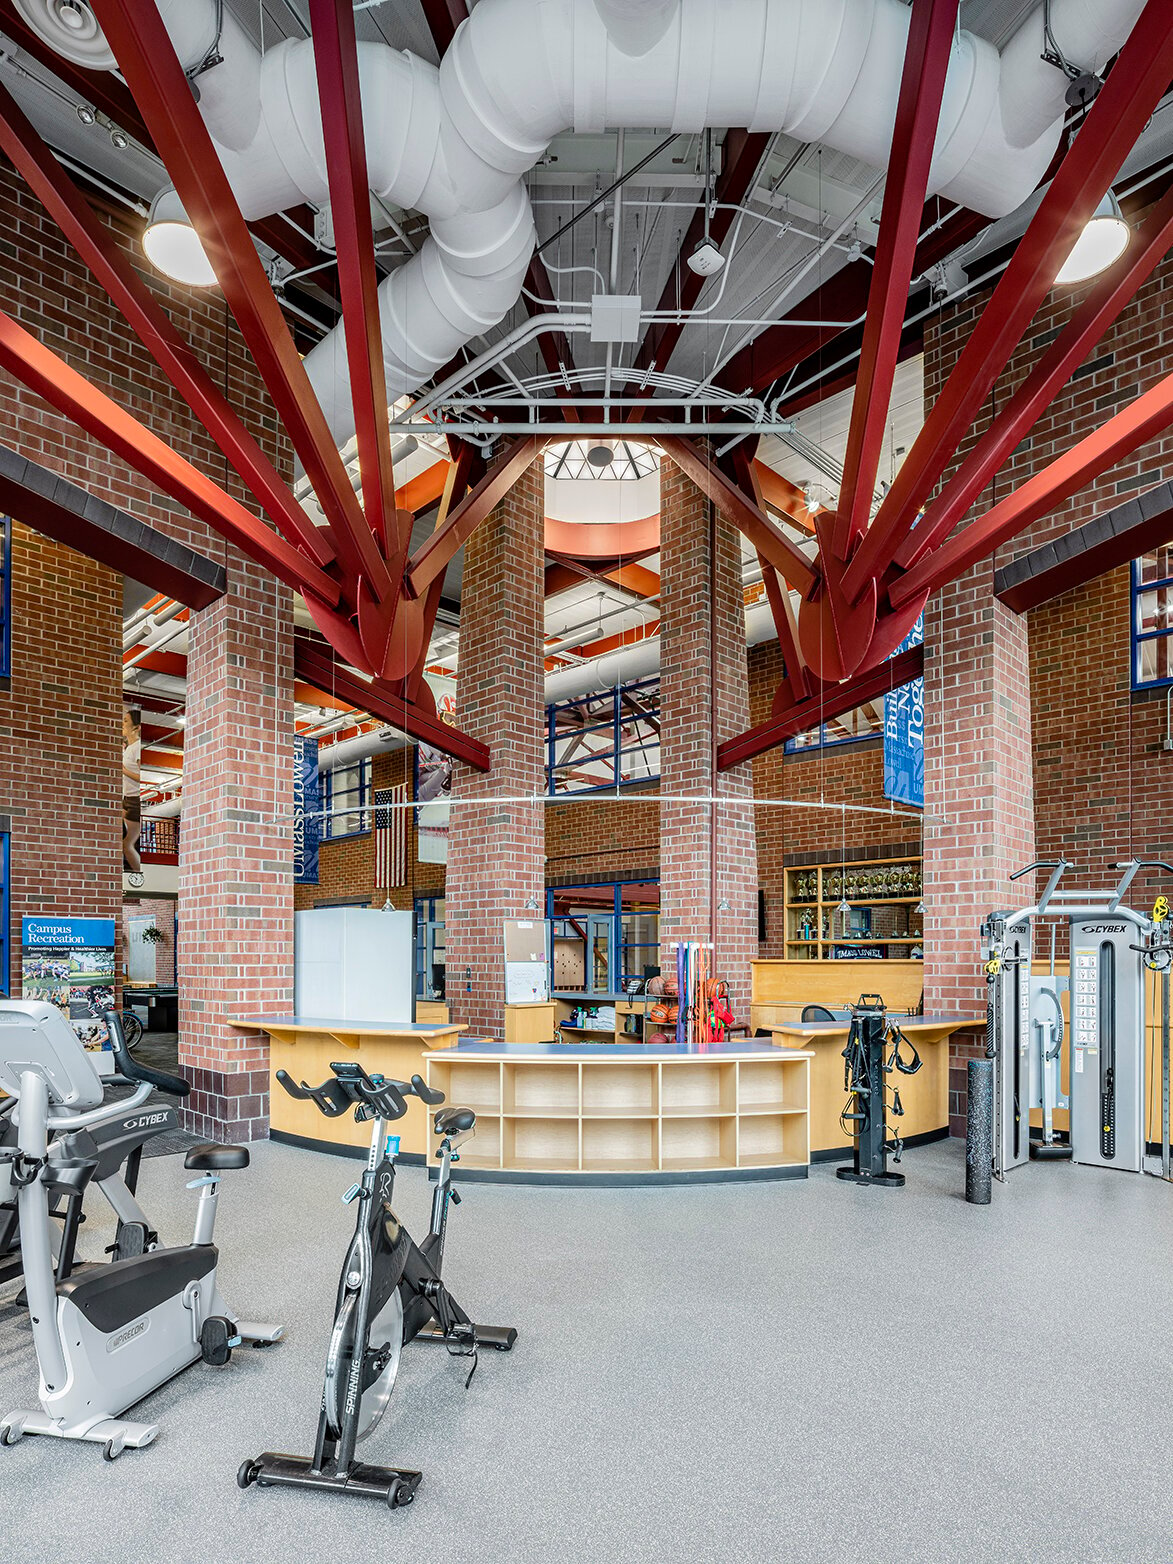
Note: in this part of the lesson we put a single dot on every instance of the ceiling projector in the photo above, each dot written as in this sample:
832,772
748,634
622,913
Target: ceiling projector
706,260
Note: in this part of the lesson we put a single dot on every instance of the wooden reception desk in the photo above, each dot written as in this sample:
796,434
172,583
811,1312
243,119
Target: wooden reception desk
615,1113
925,1095
305,1047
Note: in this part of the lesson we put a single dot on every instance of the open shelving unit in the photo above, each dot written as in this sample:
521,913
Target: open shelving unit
603,1115
883,923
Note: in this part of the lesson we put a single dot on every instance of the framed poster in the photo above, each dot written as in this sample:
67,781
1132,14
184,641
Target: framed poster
70,963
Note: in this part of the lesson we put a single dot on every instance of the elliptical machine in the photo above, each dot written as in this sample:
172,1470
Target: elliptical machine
390,1293
105,1337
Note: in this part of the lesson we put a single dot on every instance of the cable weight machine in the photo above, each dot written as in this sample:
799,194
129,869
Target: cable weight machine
1103,1043
872,1053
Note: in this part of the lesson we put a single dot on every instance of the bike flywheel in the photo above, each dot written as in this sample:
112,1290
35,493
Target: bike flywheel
385,1339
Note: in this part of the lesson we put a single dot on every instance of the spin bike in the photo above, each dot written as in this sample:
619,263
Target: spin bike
390,1293
105,1337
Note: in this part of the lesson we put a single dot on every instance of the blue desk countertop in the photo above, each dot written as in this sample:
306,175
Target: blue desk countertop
474,1047
325,1024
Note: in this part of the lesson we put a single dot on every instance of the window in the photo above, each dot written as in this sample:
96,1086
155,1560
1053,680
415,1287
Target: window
347,797
1152,619
4,838
430,955
607,740
590,922
5,596
865,722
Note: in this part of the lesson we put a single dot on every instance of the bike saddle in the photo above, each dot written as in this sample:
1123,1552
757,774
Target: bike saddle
213,1158
454,1121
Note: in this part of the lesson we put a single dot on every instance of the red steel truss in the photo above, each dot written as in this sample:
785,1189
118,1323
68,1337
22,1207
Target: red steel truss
860,582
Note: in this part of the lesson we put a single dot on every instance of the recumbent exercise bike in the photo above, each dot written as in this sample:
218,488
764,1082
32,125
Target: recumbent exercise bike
390,1293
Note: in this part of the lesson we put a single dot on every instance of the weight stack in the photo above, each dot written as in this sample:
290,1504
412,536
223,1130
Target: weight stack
979,1132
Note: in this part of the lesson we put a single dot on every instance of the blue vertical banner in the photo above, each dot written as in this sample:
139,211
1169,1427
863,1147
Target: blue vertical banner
904,733
307,810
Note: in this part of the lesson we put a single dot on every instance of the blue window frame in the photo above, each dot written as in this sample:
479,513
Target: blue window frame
851,728
430,957
1152,619
346,800
632,908
4,969
5,596
606,740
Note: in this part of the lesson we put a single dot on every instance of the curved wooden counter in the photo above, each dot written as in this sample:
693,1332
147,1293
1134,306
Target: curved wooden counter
305,1046
925,1095
628,1114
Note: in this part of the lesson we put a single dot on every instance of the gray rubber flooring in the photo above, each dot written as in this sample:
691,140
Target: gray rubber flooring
792,1372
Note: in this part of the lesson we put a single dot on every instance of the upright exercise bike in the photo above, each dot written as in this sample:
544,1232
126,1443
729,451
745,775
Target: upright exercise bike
390,1293
106,1337
116,1149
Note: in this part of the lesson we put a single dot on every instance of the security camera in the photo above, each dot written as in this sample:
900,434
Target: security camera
706,260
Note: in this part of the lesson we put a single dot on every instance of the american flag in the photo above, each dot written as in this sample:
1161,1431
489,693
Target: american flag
390,836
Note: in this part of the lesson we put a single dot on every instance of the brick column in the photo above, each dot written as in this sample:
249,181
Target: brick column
979,794
496,857
236,850
702,661
61,739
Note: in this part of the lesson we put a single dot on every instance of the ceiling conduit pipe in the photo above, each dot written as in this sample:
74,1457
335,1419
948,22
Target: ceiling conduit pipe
455,142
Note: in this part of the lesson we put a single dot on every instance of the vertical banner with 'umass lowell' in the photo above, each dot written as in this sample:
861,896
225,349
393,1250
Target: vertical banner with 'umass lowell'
904,733
307,811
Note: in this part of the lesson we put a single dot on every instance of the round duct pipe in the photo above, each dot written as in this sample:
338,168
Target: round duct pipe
454,142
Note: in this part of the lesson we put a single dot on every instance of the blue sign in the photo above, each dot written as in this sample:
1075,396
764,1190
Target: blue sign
904,733
307,811
67,933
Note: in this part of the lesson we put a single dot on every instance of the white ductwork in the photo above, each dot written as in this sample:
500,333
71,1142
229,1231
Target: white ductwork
379,741
454,142
639,661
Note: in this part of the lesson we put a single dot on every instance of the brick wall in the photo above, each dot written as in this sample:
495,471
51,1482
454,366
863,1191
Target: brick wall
346,865
496,854
61,737
708,854
67,615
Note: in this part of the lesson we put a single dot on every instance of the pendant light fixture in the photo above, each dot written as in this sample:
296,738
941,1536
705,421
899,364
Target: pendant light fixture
1104,240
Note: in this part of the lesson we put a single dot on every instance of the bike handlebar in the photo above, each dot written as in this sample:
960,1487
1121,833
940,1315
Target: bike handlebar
352,1086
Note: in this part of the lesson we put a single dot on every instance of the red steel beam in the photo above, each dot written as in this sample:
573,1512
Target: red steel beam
786,557
777,593
455,487
1085,328
314,667
432,558
77,220
741,156
340,96
918,109
148,61
443,18
1135,424
1119,114
830,702
71,394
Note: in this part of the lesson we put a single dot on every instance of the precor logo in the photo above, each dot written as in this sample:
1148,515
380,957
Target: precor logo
129,1334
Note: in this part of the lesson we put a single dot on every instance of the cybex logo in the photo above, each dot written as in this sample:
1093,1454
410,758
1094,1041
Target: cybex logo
1104,928
125,1336
147,1120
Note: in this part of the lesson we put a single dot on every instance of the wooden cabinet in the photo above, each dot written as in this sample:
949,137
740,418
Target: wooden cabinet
882,920
607,1115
